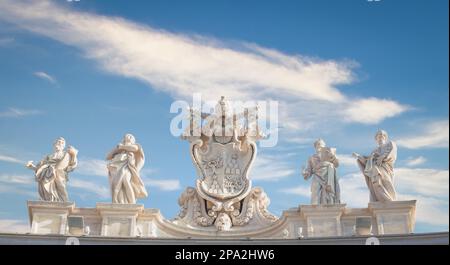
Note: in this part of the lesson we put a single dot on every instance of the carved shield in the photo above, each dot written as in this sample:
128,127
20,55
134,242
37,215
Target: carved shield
223,169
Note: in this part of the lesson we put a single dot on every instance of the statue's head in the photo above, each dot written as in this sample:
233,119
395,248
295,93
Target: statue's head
59,144
381,137
222,108
319,144
128,139
327,154
223,222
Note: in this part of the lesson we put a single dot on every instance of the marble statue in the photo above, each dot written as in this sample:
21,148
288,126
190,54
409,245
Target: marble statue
378,168
124,164
52,172
321,167
223,154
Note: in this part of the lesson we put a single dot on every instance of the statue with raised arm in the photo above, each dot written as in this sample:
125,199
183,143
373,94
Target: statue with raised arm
124,164
378,168
321,167
52,172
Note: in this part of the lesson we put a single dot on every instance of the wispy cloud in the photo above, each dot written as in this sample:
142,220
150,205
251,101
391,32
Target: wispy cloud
415,161
98,189
182,64
10,159
162,184
270,168
301,190
17,179
14,226
18,184
435,135
429,210
428,186
92,167
6,41
354,191
424,181
372,110
45,76
17,113
97,167
346,160
18,189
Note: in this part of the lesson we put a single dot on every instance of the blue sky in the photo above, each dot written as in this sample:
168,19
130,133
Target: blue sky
91,71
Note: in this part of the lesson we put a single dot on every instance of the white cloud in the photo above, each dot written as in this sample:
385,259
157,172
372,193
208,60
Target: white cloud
354,191
301,140
301,190
270,168
11,159
372,110
429,187
99,189
92,167
347,161
14,226
17,113
17,179
45,76
162,184
182,64
424,181
18,190
429,210
435,135
97,167
415,161
6,41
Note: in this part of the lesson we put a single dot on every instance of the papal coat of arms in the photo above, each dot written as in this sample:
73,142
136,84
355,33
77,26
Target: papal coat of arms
223,148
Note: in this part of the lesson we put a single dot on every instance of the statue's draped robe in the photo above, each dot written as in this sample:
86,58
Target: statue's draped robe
380,179
51,175
126,184
323,174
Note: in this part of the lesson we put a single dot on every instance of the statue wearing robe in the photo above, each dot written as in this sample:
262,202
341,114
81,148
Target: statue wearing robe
52,172
378,169
124,164
321,167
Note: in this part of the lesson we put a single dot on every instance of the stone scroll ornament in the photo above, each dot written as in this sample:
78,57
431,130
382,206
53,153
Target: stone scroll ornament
223,150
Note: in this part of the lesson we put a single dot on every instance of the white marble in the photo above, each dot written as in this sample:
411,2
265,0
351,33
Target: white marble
51,173
119,220
378,168
323,220
223,151
125,162
397,217
305,221
49,217
322,169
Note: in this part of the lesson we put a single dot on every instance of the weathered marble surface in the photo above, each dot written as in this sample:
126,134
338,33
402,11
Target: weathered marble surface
305,221
223,150
322,169
125,162
378,168
52,172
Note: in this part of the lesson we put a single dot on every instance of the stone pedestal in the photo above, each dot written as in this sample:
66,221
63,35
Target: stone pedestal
119,220
305,221
397,217
49,217
323,220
